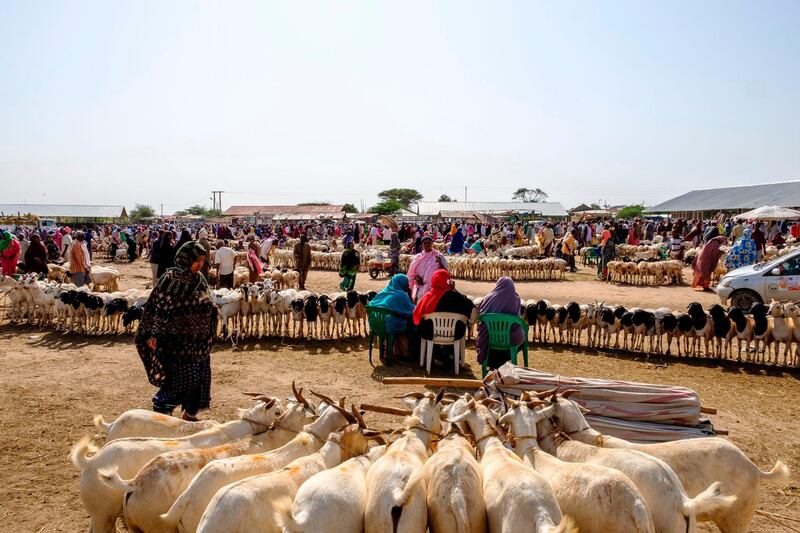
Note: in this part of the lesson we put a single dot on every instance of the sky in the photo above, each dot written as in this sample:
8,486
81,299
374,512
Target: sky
621,102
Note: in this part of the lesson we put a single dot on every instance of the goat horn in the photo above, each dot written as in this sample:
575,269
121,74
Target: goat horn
347,416
341,401
268,403
415,395
298,394
325,399
452,395
545,394
254,394
439,396
358,416
568,393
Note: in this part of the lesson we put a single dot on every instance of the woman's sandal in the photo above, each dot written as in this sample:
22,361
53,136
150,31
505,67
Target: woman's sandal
189,418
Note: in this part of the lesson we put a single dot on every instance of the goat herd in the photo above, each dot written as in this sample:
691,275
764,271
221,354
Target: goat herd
299,467
767,334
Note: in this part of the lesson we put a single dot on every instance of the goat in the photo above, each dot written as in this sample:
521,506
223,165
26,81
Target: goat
144,423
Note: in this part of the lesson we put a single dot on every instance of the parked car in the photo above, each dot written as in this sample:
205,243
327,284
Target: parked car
776,279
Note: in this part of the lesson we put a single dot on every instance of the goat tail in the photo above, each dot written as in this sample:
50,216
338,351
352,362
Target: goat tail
79,455
171,518
400,496
459,510
101,424
707,501
778,474
111,477
283,516
567,525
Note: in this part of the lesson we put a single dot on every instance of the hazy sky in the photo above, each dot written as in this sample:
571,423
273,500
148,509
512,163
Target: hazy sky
155,102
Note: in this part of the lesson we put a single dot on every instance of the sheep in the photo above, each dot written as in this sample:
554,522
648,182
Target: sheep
697,462
670,507
453,481
188,509
782,331
388,475
517,498
160,482
252,504
599,499
127,456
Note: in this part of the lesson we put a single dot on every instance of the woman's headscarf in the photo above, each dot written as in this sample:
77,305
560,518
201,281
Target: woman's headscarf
502,299
440,284
5,240
743,252
395,297
187,254
707,261
185,237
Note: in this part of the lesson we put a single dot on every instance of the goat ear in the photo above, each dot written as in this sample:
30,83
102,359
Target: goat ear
459,418
545,412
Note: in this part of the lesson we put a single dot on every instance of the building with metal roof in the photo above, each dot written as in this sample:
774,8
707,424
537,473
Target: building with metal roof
67,213
545,209
262,214
707,202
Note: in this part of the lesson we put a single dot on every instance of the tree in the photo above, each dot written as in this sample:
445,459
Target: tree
349,208
444,198
405,197
595,206
529,195
387,207
141,211
314,203
199,210
631,211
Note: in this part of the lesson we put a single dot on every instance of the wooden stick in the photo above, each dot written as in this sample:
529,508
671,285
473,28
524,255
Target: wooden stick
708,410
435,382
721,431
385,410
772,517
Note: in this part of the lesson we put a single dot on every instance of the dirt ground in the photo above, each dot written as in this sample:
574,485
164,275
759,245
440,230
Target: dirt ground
52,385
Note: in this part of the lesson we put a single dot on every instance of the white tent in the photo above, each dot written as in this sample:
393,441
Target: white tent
770,212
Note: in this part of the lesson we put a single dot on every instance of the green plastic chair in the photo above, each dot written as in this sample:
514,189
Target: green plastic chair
376,317
498,325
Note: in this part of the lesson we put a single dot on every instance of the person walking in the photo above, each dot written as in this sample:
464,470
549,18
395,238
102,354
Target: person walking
254,266
348,268
166,253
175,335
155,253
80,264
705,263
302,260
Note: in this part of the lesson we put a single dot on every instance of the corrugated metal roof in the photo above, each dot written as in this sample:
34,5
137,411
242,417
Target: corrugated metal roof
548,209
250,210
784,194
65,211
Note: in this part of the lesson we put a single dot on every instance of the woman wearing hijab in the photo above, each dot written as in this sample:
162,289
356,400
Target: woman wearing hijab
9,253
36,256
457,244
166,253
396,298
760,239
394,255
175,335
348,268
705,263
131,245
184,238
442,297
502,299
253,262
743,251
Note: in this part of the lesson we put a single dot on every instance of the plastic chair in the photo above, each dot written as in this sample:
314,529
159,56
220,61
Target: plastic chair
498,326
590,256
376,317
444,330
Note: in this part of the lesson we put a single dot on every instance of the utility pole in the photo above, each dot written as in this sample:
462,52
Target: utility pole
162,210
465,194
216,200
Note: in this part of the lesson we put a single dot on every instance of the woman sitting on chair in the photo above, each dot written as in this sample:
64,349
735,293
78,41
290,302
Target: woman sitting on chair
442,298
396,298
502,299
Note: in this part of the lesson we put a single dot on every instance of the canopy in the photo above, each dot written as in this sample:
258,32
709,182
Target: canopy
770,212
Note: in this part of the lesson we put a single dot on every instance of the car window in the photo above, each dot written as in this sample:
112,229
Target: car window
788,267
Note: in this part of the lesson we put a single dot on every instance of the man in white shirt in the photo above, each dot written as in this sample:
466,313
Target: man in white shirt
266,248
66,244
373,235
387,235
225,257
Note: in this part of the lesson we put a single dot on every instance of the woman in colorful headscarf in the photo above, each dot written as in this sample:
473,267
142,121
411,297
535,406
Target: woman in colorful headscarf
36,256
9,253
175,335
396,297
348,267
743,251
706,263
442,297
502,299
254,266
457,244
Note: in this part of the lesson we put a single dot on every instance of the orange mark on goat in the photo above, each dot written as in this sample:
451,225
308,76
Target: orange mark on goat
171,443
257,458
158,418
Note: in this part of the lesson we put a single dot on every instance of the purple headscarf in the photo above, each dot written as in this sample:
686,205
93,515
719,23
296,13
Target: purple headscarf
502,299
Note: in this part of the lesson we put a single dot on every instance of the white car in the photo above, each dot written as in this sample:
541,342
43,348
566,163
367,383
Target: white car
776,279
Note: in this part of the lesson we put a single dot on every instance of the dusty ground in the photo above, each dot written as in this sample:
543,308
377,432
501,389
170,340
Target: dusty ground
52,385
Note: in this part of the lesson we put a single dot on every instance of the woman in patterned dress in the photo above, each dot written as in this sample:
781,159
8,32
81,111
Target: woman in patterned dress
175,335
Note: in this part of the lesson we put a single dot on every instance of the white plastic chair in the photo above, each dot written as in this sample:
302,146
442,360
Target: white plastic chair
444,330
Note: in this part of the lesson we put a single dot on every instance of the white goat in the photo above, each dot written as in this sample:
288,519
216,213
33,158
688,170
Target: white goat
144,423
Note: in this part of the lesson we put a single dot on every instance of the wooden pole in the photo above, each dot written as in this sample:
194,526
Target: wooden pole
435,382
384,410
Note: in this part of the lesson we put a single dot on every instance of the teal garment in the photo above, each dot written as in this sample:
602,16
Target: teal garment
395,298
478,247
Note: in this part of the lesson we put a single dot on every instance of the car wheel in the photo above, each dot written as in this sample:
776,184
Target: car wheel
744,299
